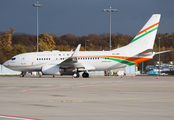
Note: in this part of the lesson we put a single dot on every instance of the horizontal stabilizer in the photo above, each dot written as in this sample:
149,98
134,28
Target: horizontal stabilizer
162,52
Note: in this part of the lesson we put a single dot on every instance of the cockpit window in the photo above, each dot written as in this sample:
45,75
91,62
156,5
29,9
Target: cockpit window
13,58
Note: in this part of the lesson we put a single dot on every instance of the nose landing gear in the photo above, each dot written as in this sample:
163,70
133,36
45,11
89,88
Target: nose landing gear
22,74
76,75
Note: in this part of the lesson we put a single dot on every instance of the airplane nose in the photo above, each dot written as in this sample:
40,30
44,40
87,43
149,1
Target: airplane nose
5,63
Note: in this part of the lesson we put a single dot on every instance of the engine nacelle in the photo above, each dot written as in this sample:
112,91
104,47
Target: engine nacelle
51,70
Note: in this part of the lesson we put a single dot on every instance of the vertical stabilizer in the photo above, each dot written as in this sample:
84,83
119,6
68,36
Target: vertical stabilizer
145,38
147,34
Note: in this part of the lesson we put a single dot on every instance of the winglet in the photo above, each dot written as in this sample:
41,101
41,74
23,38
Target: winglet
76,52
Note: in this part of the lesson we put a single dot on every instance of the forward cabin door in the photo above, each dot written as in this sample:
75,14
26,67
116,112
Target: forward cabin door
23,61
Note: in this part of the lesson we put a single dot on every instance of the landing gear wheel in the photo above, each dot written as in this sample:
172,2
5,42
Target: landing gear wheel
76,75
22,74
85,75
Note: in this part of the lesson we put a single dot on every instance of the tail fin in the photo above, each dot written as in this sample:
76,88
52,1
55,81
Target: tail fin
144,40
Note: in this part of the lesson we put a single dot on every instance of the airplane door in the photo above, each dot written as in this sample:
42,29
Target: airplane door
23,61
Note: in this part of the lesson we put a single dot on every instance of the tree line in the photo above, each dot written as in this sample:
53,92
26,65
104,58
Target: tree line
11,44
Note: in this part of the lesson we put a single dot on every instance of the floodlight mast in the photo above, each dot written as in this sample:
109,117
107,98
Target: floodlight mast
110,10
37,5
159,55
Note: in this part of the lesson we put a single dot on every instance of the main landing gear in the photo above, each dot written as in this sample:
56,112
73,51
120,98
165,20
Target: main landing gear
22,74
85,75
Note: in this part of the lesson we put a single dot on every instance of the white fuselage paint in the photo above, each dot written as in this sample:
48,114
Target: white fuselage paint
35,60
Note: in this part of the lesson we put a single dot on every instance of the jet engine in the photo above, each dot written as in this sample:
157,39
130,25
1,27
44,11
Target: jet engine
51,70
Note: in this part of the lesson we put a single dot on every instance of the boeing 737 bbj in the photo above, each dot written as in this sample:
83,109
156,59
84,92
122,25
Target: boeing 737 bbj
71,63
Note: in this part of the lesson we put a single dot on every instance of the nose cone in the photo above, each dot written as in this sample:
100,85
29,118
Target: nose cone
6,63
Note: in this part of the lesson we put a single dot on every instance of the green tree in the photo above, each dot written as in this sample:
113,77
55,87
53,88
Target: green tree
63,48
5,44
171,48
43,46
17,49
66,48
48,40
163,48
155,48
90,47
5,40
60,47
172,56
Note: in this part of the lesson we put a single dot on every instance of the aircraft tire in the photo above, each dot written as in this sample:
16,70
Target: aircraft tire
85,75
22,74
76,75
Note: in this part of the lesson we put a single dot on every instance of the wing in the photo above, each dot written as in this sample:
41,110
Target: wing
73,63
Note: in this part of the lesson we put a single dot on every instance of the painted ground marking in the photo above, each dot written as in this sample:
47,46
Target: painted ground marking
143,99
18,118
93,86
71,101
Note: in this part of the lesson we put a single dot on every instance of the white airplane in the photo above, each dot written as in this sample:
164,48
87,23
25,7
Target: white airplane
71,63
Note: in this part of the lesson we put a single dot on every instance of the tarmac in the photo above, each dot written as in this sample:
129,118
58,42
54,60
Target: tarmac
94,98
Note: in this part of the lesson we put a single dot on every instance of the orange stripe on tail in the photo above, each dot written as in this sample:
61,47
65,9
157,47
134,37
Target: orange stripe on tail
145,30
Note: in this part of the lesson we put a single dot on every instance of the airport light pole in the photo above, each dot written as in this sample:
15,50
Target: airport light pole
85,44
159,55
110,10
37,5
142,67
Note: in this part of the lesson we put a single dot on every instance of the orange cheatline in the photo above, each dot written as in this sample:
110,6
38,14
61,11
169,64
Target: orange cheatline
145,30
